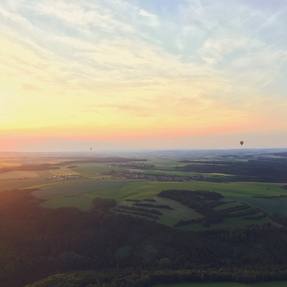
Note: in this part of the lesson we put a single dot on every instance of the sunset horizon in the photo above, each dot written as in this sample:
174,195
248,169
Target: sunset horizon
142,74
143,143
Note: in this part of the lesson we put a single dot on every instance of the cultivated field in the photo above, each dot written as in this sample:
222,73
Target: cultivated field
136,185
173,212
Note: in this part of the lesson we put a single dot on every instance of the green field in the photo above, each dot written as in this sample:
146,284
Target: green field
122,189
125,189
155,205
104,180
95,182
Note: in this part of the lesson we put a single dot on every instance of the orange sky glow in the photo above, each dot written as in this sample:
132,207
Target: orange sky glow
127,75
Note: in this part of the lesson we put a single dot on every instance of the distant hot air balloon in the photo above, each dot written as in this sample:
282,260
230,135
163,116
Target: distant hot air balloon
91,149
241,143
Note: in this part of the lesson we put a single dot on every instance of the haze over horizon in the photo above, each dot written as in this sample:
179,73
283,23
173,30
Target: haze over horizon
142,74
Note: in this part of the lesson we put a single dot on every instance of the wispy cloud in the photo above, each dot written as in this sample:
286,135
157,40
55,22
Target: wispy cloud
103,63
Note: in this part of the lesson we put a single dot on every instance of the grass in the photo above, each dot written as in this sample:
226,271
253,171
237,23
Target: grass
179,212
22,183
94,183
93,169
80,193
124,189
18,175
171,216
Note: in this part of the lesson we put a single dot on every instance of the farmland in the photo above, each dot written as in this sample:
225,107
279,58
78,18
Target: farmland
114,180
171,212
70,182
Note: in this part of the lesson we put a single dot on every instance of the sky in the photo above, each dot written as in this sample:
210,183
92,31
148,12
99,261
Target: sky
142,74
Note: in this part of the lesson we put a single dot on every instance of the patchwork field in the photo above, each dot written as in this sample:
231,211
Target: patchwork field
136,186
63,213
83,191
248,202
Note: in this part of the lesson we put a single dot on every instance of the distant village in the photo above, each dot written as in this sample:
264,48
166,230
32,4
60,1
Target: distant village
64,177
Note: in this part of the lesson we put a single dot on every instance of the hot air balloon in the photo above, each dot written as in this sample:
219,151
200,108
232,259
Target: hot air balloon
241,143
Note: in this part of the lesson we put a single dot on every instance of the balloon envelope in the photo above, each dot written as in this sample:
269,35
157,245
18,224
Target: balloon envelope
241,142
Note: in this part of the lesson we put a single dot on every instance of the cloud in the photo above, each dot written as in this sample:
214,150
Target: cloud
150,18
116,62
82,15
